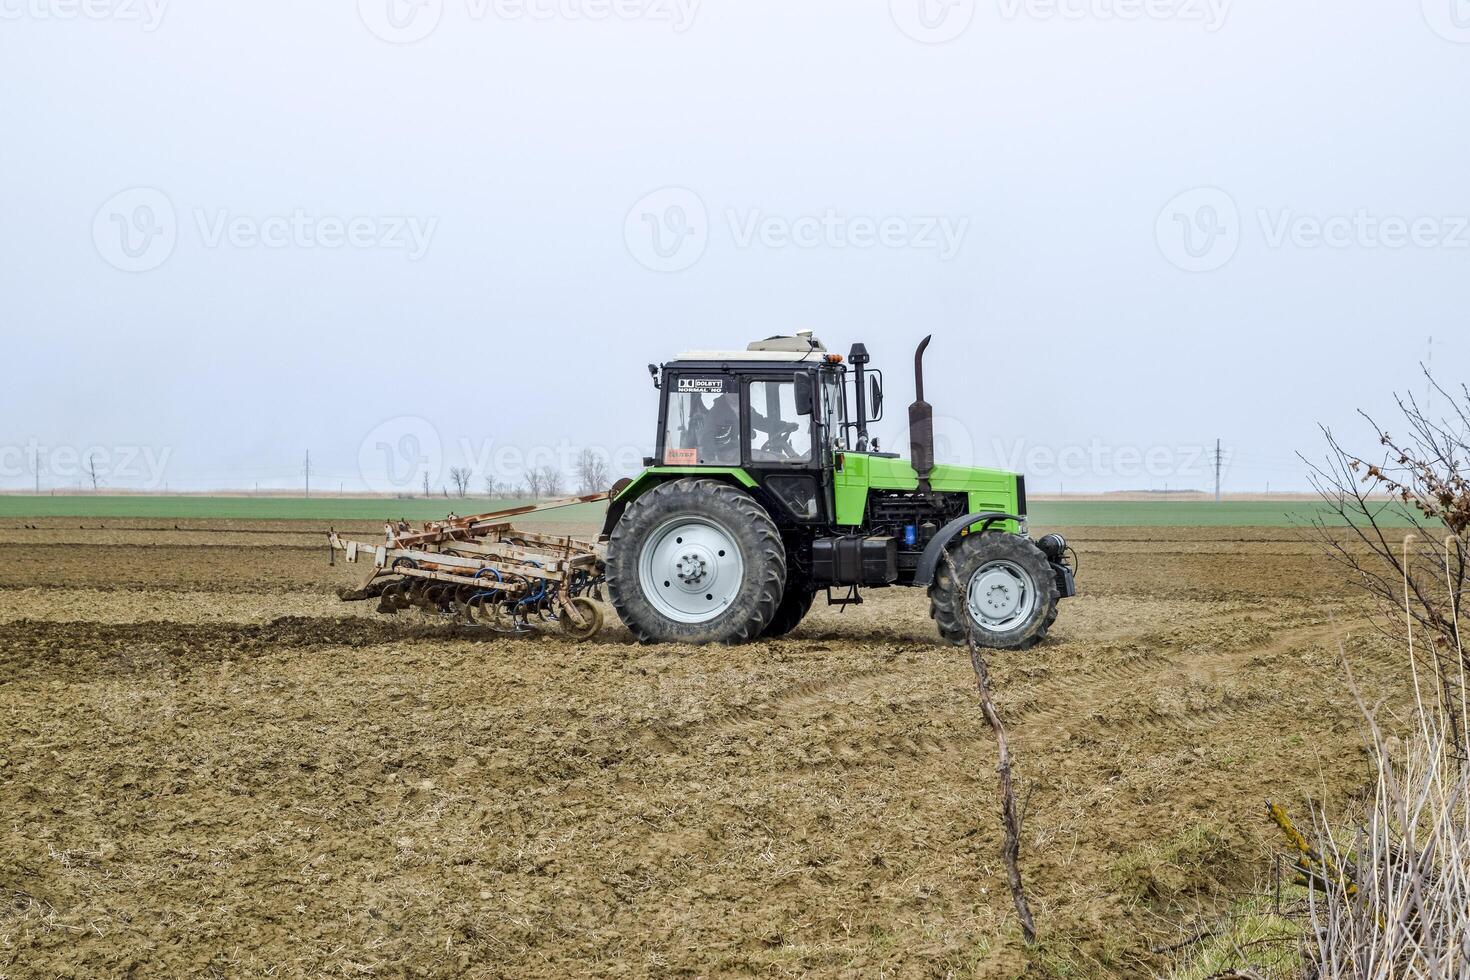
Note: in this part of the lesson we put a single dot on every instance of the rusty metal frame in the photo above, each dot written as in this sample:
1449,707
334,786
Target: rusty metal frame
457,550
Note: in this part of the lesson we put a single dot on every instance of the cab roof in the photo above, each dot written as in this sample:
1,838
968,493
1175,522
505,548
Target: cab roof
802,347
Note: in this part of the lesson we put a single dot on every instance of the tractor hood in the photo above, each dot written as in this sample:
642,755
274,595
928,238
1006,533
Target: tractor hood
858,473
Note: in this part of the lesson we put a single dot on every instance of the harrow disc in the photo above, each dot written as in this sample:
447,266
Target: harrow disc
394,599
581,619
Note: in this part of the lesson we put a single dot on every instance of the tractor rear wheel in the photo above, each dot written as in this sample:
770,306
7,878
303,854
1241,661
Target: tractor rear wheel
1002,585
795,605
696,561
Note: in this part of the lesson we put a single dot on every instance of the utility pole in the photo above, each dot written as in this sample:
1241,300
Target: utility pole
307,471
36,465
92,468
1217,471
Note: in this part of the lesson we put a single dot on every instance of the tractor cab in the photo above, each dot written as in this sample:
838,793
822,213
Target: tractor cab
776,411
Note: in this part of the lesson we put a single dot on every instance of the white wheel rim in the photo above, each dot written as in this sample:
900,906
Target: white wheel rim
691,570
1001,596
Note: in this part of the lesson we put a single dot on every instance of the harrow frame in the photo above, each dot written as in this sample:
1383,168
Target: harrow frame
483,571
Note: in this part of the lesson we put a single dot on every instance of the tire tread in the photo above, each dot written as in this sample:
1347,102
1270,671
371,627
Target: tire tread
697,495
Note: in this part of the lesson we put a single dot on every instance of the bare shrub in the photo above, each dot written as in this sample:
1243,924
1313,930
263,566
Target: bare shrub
1401,905
592,472
1420,479
460,476
553,484
1390,897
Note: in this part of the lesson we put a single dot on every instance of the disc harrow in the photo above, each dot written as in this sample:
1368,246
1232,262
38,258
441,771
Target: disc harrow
483,571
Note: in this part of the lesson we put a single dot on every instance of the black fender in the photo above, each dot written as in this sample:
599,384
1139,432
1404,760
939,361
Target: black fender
929,560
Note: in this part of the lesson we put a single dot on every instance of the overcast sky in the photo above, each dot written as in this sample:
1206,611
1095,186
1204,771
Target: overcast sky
410,236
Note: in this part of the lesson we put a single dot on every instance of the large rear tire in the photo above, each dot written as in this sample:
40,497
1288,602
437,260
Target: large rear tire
795,605
1003,585
696,561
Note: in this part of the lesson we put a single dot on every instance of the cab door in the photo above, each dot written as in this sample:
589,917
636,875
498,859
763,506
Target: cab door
783,450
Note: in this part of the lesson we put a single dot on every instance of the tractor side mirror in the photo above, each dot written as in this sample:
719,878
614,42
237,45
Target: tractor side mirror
806,394
875,397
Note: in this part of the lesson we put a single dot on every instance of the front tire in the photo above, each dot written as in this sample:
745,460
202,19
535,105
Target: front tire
696,561
1002,585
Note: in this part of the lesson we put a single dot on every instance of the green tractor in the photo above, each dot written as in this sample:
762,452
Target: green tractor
767,491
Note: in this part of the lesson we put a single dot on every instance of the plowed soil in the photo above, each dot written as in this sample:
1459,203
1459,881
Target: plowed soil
211,767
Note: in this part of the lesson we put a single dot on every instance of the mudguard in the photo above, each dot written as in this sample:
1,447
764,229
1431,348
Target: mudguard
929,560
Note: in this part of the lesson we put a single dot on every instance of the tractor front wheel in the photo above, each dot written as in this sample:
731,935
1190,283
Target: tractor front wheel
696,561
1001,586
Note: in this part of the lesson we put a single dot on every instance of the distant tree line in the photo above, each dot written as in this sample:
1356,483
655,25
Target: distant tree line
590,475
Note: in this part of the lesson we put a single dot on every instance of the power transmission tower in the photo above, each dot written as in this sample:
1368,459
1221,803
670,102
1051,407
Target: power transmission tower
1217,471
92,468
306,470
36,465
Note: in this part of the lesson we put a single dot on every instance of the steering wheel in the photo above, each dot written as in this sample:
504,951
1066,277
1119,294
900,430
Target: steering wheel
779,443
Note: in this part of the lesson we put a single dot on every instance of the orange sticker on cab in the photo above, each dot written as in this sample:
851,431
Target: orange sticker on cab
681,457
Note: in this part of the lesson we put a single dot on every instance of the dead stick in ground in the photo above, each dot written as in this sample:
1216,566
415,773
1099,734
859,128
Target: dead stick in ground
1009,815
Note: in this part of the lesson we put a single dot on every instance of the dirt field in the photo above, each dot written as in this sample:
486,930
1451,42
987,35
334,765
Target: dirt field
211,767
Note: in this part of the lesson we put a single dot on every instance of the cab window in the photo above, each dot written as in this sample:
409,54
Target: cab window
777,433
703,424
834,403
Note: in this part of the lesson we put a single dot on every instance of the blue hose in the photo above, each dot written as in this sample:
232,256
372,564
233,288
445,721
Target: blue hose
490,593
539,595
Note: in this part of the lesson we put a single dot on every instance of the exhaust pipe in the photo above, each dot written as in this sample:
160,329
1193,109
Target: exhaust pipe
921,423
859,359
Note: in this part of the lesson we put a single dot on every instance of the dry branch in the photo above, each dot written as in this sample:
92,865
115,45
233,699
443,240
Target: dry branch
1010,815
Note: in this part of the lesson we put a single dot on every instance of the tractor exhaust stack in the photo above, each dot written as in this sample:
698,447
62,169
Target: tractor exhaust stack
860,359
921,423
